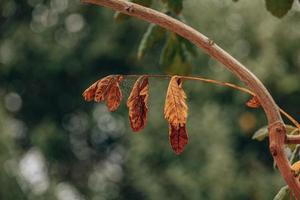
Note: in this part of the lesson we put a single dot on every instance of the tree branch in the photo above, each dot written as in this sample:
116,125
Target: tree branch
276,126
292,139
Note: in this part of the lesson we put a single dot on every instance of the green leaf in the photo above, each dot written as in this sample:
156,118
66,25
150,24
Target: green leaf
263,132
188,46
279,8
118,16
174,56
169,51
283,194
153,35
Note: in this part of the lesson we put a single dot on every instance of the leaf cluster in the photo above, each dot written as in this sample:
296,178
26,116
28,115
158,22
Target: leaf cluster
175,111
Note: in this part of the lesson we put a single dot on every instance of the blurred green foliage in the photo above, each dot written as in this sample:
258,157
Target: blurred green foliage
53,145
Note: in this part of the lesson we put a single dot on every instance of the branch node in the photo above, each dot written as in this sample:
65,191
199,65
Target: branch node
273,150
129,8
210,42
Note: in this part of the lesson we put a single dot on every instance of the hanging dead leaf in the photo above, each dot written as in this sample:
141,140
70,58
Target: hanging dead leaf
89,93
176,109
114,96
106,89
178,138
253,102
137,104
103,88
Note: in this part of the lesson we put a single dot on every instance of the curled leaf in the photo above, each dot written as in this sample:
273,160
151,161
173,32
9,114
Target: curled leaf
137,104
176,109
103,87
253,102
114,96
89,93
106,89
178,138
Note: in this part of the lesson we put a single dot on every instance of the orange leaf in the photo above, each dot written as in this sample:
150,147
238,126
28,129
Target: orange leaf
178,138
114,95
89,93
253,102
106,89
103,88
137,104
176,109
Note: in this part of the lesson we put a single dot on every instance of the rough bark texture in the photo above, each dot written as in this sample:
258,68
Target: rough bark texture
276,126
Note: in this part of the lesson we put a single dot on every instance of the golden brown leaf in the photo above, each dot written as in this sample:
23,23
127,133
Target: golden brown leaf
178,138
176,109
103,88
253,102
89,93
106,89
137,104
114,95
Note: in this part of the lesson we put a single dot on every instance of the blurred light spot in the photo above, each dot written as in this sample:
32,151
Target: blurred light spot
16,128
80,147
64,38
33,169
234,21
247,122
59,5
44,16
108,123
242,47
65,191
13,102
76,123
104,179
6,52
74,22
98,137
9,8
117,155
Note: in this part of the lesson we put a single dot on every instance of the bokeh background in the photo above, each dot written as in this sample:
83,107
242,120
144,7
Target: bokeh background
53,145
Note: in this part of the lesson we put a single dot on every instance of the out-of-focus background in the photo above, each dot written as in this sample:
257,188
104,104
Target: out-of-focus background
53,145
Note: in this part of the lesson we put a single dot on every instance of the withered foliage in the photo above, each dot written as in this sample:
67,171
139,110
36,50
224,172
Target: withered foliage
137,104
178,138
253,102
175,110
106,89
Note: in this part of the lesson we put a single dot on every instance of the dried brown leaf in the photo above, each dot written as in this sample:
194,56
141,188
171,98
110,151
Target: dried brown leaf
253,102
176,109
137,104
178,138
106,89
114,95
103,88
89,93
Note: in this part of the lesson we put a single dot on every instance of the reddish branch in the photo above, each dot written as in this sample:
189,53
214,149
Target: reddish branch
276,126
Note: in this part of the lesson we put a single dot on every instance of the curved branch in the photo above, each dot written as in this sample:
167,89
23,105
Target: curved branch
276,126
